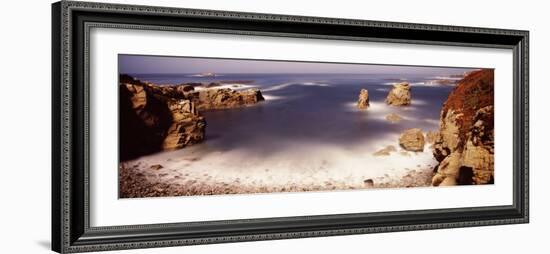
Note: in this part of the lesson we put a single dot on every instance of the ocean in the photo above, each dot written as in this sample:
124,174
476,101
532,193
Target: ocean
308,132
317,108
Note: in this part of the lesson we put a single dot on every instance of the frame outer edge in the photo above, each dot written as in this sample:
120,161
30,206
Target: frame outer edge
526,109
66,108
65,121
175,11
56,124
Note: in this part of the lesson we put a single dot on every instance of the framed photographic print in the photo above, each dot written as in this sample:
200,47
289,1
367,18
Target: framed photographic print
181,126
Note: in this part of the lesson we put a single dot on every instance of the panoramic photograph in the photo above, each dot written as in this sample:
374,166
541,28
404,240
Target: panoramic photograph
191,126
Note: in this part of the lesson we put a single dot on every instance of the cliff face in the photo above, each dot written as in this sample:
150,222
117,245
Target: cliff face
464,145
154,118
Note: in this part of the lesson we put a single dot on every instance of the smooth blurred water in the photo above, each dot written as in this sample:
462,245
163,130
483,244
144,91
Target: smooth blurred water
315,108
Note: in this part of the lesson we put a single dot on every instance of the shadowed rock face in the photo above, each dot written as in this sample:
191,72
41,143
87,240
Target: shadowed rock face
363,101
400,95
154,118
464,145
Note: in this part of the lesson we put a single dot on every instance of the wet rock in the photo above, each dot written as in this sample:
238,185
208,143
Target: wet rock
224,98
400,95
393,118
412,140
363,101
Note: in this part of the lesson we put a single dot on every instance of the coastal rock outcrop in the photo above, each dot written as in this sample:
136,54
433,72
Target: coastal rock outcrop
163,117
464,145
187,127
154,118
400,95
224,98
412,140
363,101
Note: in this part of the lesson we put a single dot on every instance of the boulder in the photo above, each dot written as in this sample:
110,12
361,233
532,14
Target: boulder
464,144
363,101
400,95
412,140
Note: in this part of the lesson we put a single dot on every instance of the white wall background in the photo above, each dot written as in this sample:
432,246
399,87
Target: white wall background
25,125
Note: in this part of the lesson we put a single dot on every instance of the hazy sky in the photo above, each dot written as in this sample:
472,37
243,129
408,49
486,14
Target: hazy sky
136,64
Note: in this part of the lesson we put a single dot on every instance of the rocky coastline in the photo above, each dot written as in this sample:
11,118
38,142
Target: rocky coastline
168,117
464,145
135,182
157,118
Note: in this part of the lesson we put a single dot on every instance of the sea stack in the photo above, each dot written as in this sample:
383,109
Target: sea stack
464,145
400,95
363,102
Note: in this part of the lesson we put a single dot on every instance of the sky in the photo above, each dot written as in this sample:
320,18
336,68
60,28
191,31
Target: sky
139,64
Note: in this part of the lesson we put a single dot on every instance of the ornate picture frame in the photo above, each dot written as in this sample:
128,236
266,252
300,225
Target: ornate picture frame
71,24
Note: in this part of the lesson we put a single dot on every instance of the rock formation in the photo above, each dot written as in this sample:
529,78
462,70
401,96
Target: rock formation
154,118
187,125
431,136
400,95
412,140
363,102
464,145
224,98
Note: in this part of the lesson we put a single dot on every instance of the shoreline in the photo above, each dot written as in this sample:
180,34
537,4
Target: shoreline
134,183
199,170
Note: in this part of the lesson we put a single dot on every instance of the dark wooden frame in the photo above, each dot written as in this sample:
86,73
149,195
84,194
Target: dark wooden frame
71,22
